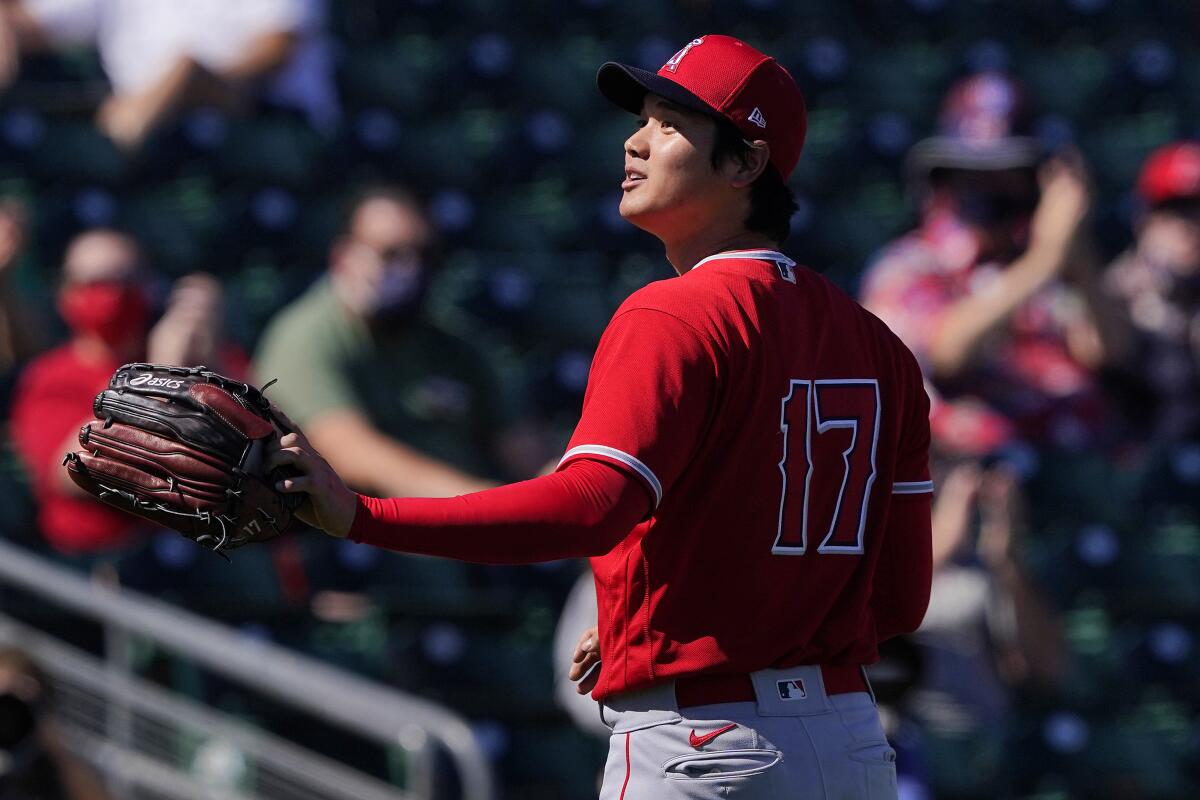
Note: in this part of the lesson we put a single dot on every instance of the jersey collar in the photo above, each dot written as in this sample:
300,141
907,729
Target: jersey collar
762,255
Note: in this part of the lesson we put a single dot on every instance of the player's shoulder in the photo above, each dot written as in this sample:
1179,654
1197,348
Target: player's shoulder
670,298
870,325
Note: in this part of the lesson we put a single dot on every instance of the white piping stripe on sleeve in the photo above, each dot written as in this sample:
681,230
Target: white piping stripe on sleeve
912,487
624,458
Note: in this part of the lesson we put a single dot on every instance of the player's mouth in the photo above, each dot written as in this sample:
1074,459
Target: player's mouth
632,178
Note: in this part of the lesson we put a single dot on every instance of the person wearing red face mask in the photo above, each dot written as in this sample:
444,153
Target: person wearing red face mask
104,300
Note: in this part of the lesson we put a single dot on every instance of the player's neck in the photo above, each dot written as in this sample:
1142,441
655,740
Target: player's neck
686,254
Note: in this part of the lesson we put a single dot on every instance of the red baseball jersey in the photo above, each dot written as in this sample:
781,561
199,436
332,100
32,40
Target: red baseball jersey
777,426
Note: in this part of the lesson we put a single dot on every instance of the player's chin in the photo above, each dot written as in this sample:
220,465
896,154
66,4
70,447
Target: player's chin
635,210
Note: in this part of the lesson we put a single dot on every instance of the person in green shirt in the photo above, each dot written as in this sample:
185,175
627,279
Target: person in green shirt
399,404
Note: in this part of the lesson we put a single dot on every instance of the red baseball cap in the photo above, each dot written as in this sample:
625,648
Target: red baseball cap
1171,172
725,78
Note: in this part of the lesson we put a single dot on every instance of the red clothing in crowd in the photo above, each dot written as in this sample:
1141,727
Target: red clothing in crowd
1026,382
52,400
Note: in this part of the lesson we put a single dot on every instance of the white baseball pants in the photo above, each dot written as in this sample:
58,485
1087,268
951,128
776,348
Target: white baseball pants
815,747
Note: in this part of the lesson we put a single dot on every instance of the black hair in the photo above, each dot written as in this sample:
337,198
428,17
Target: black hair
772,203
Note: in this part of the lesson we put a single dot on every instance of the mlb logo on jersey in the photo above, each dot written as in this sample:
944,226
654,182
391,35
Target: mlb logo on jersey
791,689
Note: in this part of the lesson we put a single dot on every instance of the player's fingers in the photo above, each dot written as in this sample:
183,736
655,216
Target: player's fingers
582,668
289,455
582,657
589,681
301,483
589,640
290,440
280,457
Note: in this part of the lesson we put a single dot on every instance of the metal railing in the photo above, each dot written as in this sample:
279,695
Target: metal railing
377,713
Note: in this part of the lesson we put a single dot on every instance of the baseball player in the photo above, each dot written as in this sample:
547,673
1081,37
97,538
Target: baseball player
749,475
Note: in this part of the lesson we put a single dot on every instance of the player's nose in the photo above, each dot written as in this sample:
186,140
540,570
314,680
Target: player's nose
636,146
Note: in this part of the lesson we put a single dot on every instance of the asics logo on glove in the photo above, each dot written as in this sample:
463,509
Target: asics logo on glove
150,380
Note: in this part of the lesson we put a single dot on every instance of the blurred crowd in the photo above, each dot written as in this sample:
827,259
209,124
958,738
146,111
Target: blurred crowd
1036,348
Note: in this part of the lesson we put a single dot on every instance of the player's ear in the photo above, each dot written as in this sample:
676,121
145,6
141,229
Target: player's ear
751,164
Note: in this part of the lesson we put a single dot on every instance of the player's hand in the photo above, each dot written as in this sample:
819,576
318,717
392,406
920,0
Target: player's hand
328,503
585,658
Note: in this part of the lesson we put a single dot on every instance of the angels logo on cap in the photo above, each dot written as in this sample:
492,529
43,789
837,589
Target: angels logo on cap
673,62
725,78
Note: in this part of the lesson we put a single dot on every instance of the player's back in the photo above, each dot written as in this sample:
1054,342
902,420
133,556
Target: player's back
770,535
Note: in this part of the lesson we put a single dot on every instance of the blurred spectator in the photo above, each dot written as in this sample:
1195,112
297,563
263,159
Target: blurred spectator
996,292
105,300
399,404
20,335
987,630
1157,282
162,58
34,764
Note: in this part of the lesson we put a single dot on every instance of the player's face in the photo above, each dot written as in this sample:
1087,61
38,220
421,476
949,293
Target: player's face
670,187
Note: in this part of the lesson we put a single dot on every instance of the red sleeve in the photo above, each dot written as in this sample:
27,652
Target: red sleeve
912,460
649,398
582,511
905,571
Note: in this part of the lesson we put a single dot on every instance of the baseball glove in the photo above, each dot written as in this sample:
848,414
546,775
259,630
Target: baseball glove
184,447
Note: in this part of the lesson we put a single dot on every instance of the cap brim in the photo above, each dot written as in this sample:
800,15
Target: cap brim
628,86
949,152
